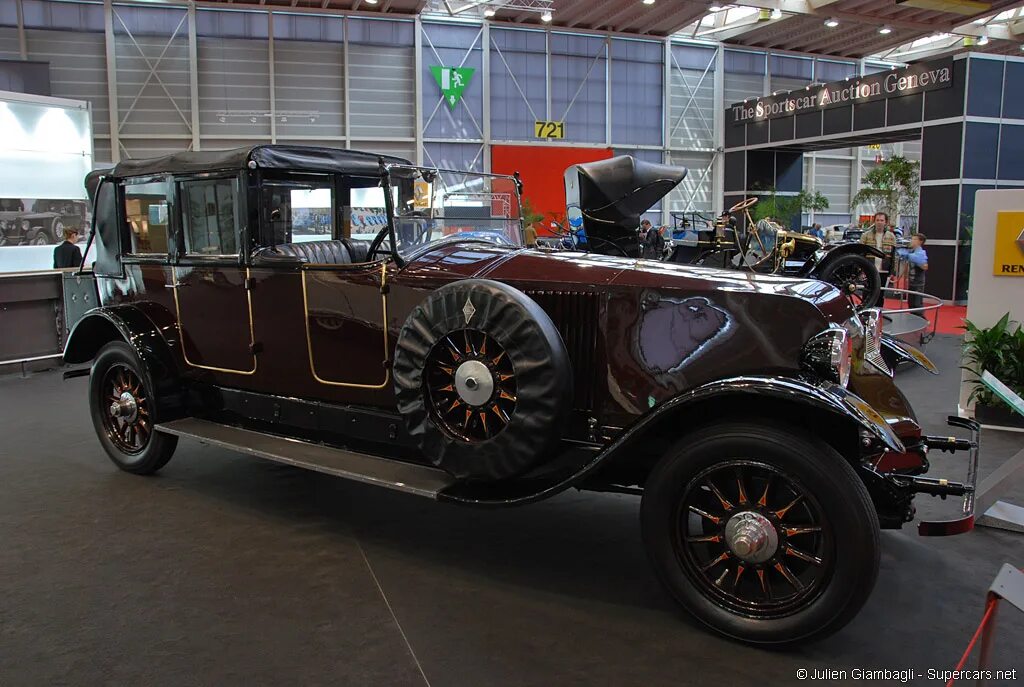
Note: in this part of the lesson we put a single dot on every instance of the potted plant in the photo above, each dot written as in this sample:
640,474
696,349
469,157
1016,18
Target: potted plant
787,209
532,221
999,350
892,187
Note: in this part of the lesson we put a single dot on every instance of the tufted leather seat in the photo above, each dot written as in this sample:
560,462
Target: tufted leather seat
313,252
358,249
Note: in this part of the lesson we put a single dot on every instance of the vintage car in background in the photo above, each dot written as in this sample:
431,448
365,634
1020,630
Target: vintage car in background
440,358
605,199
44,225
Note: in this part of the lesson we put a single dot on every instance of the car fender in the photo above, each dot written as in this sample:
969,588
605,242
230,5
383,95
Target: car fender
826,256
102,325
825,396
895,352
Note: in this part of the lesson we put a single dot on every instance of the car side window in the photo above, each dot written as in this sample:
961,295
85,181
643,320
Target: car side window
146,213
298,208
210,217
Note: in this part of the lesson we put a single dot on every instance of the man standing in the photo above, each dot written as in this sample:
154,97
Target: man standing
654,243
917,257
67,254
882,238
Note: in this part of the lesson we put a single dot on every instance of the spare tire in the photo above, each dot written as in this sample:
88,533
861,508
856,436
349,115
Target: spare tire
482,380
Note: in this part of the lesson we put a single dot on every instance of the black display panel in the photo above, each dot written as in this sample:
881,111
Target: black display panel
789,171
947,102
837,121
869,115
939,281
967,192
735,171
905,110
985,80
757,133
1013,91
1011,152
940,151
735,136
781,129
937,217
981,140
760,169
808,125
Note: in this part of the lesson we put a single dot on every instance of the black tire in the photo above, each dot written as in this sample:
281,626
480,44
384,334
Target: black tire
148,451
856,276
501,438
846,544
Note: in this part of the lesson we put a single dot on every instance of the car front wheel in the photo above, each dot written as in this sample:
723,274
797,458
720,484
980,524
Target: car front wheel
764,533
124,410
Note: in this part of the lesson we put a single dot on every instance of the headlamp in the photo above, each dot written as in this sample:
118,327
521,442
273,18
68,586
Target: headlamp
829,355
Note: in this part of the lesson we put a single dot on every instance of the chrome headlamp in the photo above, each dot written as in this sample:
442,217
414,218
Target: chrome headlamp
829,355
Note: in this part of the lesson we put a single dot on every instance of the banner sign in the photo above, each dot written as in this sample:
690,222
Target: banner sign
452,82
917,78
1009,249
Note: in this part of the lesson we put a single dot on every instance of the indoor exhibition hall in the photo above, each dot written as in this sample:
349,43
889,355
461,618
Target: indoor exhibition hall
510,343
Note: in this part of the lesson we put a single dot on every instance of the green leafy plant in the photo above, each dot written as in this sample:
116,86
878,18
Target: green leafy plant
786,209
530,216
998,349
892,187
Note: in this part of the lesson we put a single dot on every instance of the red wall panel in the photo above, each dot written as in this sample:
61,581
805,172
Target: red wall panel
542,169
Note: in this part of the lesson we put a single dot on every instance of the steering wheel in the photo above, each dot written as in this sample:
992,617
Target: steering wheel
744,204
375,246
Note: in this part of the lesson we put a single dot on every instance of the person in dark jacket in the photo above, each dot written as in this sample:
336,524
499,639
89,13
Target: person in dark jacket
67,254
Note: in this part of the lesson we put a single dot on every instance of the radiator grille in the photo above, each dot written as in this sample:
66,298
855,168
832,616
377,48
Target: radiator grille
576,314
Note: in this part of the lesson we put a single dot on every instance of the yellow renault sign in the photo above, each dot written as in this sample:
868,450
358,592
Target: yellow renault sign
1009,250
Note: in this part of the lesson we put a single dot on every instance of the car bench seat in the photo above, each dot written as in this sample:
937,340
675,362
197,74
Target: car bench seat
343,252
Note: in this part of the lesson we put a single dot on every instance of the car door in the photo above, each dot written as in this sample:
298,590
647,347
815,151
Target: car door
211,284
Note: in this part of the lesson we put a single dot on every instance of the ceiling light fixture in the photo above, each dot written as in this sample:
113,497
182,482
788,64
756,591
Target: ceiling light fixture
371,2
546,17
885,30
648,2
831,23
776,14
715,8
983,40
489,12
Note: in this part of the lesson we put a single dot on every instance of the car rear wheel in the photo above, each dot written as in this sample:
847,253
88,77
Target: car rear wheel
764,533
482,380
857,277
124,410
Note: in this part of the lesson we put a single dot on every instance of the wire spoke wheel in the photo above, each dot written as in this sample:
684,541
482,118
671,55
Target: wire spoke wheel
126,418
752,540
471,385
853,281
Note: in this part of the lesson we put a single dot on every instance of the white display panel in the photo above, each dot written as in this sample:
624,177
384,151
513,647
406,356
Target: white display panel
45,154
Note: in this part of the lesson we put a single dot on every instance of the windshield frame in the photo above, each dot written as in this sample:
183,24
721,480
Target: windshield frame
389,204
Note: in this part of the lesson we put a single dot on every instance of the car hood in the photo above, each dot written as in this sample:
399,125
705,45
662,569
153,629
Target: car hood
534,269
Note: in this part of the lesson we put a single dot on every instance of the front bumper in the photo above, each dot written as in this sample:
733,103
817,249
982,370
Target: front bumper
942,487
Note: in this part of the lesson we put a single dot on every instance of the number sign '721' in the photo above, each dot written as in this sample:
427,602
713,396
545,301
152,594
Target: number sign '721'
549,129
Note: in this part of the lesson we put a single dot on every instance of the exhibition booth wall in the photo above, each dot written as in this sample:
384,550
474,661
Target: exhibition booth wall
968,112
174,76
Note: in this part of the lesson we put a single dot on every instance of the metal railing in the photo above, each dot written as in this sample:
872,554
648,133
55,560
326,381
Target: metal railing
895,289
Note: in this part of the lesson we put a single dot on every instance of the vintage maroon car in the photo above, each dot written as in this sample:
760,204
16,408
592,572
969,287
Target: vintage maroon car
756,415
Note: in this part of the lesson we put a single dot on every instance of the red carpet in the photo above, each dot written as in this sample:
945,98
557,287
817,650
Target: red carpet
951,317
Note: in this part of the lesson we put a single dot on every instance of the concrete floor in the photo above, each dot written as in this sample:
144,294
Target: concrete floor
225,570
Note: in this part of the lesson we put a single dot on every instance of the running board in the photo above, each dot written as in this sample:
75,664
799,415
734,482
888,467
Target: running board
359,467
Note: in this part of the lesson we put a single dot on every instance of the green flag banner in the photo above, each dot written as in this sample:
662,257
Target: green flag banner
452,81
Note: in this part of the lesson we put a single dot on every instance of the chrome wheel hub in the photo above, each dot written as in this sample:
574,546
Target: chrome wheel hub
474,382
751,536
125,407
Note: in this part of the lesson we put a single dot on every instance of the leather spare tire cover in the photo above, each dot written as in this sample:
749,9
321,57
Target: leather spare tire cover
482,379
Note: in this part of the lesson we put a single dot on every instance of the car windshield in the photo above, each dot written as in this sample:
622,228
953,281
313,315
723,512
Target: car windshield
432,206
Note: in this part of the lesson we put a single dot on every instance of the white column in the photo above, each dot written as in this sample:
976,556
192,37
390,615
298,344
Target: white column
346,94
193,75
418,61
485,42
272,79
718,171
108,27
22,43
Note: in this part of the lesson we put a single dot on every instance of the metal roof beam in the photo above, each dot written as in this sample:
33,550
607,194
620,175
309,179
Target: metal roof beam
745,25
